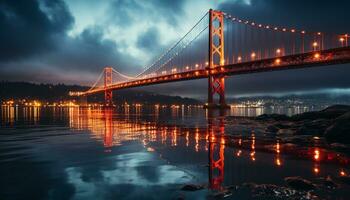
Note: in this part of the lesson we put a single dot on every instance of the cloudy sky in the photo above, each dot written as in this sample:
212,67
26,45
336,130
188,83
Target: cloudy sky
71,41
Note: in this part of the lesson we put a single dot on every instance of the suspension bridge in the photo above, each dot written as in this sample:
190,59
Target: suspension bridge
221,45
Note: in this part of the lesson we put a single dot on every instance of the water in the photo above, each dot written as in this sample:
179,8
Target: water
138,152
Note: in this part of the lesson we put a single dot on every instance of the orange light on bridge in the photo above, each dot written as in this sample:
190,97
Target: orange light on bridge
196,65
239,153
314,45
187,68
342,173
278,61
196,73
317,154
206,63
341,40
222,62
278,162
278,51
239,59
253,55
163,72
317,55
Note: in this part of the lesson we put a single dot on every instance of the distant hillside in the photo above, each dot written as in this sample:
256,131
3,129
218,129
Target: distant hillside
52,93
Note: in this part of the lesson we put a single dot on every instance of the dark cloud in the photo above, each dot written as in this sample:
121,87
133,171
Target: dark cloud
312,14
89,52
27,30
35,45
126,12
149,40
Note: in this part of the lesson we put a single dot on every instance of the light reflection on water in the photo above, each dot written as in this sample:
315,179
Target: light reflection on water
154,150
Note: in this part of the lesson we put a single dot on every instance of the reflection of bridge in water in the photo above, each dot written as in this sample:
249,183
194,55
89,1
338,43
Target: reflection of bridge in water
105,127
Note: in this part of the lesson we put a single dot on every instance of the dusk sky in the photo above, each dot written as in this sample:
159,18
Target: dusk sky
71,41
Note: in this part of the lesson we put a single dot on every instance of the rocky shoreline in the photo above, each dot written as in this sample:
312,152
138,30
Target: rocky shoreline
332,124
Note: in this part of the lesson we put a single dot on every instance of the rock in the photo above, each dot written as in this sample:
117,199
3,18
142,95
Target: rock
192,187
330,113
276,117
272,129
222,194
249,185
339,109
344,179
269,191
329,183
299,183
296,139
286,132
306,116
338,145
283,126
339,130
314,127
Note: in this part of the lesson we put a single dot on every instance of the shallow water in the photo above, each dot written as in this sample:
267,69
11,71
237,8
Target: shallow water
149,153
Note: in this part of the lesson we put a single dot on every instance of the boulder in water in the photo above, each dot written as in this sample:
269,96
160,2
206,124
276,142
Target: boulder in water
339,131
299,183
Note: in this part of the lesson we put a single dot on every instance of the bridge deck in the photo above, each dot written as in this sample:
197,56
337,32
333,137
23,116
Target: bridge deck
310,59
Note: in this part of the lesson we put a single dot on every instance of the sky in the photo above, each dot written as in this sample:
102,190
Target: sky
71,41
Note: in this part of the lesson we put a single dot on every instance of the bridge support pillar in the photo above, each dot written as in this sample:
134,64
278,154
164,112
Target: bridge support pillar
216,82
108,81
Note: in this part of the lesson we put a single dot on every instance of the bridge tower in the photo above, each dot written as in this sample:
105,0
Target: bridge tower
216,82
108,81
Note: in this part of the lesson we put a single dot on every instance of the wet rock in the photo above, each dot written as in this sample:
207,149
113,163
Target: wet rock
249,185
297,139
269,191
299,183
329,183
285,132
232,187
339,130
180,197
330,113
221,194
344,179
337,109
272,129
276,117
192,187
314,127
338,145
283,126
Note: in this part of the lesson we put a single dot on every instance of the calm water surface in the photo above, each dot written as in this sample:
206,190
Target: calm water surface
148,153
